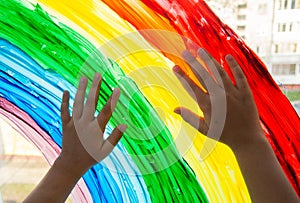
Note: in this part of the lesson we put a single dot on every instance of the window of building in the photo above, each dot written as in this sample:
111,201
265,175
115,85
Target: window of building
285,4
241,17
291,27
279,4
284,69
241,27
244,5
283,27
293,5
294,47
285,48
276,48
260,50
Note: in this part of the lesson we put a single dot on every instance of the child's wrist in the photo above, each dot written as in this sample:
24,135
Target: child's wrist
255,141
68,167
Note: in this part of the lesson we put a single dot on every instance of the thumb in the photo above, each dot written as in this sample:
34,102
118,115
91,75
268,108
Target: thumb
112,141
64,109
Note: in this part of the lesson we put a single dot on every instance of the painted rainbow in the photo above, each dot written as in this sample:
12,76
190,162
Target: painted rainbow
45,46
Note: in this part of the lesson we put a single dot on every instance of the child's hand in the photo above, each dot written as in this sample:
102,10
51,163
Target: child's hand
242,125
83,143
241,132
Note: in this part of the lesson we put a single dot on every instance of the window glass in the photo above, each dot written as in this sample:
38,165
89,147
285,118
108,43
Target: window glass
283,27
285,4
293,5
284,69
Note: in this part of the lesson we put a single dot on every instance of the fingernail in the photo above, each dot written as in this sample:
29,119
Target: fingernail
176,69
65,95
122,127
229,57
97,76
177,110
187,55
82,79
116,91
202,52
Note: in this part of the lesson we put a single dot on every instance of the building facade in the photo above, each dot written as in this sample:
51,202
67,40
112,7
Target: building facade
285,57
272,29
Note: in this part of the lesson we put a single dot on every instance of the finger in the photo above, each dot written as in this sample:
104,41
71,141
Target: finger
213,64
116,134
194,90
200,72
64,109
97,93
239,77
92,100
193,119
79,98
112,141
106,112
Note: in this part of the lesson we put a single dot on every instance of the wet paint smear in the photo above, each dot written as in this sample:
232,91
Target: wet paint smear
61,50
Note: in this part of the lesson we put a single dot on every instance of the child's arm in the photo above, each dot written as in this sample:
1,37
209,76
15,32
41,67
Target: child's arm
83,143
242,132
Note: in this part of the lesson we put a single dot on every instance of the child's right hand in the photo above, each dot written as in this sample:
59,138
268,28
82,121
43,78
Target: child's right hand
241,127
